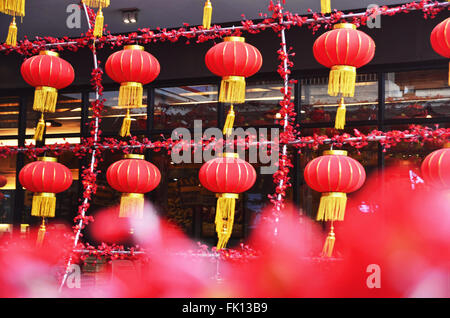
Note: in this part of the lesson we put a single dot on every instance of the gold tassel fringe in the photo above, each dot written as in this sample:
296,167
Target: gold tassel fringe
13,7
97,3
41,234
232,90
229,122
132,205
43,205
130,94
125,130
449,74
226,204
12,34
207,15
332,206
45,99
342,81
325,6
329,243
40,128
99,23
340,115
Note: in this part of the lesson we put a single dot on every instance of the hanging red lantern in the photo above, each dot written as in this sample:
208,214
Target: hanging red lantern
227,176
436,168
48,73
440,40
133,176
45,177
334,174
132,67
343,49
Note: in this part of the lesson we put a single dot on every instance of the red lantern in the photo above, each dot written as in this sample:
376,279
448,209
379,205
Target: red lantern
440,39
45,178
132,68
3,181
133,176
48,73
227,176
233,60
436,168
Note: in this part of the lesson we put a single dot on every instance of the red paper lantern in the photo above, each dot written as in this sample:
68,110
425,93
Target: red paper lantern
227,176
343,49
45,178
233,60
436,168
132,67
334,174
133,176
440,39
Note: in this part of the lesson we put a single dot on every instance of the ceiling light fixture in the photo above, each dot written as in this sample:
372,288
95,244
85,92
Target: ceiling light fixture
129,16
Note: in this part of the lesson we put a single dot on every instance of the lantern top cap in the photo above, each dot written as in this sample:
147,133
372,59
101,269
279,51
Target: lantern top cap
344,26
335,152
234,39
49,53
134,47
133,156
48,159
230,155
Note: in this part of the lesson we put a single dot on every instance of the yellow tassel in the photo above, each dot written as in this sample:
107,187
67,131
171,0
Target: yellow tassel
99,22
125,130
132,205
45,99
342,81
13,7
226,204
43,205
12,34
229,122
207,15
97,3
329,243
325,6
41,234
340,115
232,90
40,128
449,74
130,94
332,206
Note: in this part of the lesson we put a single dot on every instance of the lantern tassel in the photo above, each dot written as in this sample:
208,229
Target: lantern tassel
342,81
226,204
13,7
130,94
329,243
45,99
41,234
449,74
325,6
207,15
99,24
340,115
43,205
332,206
232,90
132,205
11,39
40,128
125,130
229,122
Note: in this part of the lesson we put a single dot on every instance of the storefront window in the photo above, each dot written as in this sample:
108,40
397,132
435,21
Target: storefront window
9,112
180,106
319,107
417,94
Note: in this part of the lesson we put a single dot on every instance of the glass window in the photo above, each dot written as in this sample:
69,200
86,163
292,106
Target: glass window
113,115
66,119
7,170
9,112
180,106
417,94
319,107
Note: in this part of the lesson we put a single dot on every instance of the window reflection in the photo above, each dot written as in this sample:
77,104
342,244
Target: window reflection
180,106
318,106
8,171
417,94
9,112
